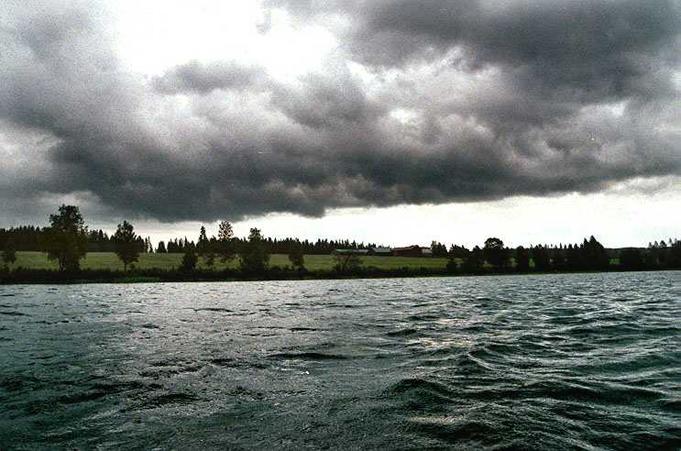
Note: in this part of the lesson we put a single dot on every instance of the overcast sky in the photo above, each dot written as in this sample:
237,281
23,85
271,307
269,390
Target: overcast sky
390,121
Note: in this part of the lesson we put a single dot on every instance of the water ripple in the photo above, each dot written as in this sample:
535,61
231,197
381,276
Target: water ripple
590,361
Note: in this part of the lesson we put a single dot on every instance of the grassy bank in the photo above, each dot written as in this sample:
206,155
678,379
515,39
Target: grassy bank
34,267
167,262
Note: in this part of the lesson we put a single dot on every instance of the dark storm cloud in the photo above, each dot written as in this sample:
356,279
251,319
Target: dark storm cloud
202,78
574,50
325,102
582,35
453,101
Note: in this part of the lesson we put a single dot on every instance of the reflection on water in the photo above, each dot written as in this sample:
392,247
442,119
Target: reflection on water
565,361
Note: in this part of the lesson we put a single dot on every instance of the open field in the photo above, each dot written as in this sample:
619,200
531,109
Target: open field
108,260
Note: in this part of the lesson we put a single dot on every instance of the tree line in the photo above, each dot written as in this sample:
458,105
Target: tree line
590,255
67,240
33,238
273,245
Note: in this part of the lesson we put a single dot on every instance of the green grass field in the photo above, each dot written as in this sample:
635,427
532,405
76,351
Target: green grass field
108,260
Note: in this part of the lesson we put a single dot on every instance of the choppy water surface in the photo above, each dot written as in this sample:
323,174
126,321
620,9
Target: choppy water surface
565,361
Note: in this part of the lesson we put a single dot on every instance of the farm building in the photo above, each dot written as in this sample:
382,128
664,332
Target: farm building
413,251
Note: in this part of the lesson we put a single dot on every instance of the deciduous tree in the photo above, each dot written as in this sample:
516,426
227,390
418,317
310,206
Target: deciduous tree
254,257
126,244
66,238
495,253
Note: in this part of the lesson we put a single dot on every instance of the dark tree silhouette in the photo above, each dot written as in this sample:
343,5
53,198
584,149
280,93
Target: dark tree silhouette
189,260
474,260
205,248
558,259
458,252
126,245
210,253
203,238
540,257
674,260
66,239
522,259
657,255
161,248
573,258
254,257
438,249
25,238
452,266
226,242
9,253
594,255
495,253
631,259
297,258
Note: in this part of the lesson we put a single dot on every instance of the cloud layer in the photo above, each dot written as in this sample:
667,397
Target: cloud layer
422,102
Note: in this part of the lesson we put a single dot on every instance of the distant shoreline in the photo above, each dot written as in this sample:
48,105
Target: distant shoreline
68,252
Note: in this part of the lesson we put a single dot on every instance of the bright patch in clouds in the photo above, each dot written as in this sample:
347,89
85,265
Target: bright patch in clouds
153,36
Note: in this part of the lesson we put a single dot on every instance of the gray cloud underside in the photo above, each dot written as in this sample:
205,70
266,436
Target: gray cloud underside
467,100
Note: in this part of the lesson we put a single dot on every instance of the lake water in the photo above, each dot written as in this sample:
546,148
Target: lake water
554,361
